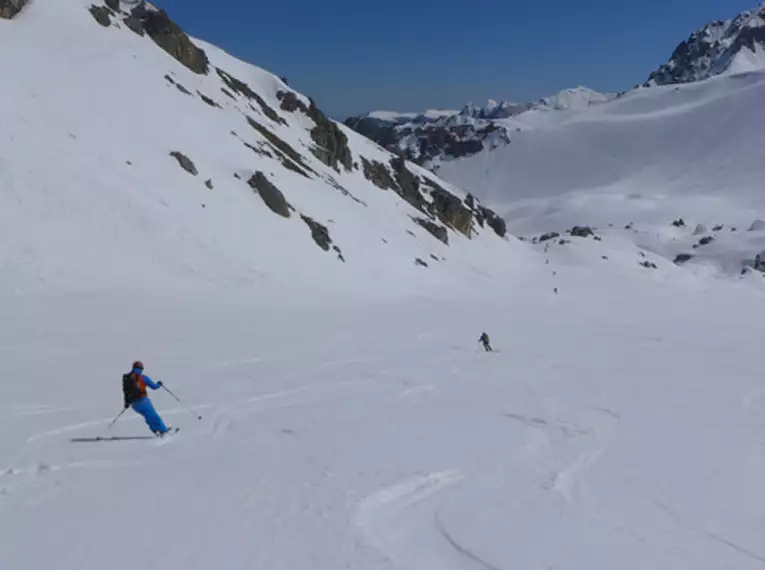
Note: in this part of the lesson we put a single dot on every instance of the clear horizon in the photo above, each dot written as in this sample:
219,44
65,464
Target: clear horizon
356,57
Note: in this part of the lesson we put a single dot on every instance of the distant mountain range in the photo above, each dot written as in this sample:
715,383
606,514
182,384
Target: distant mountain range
435,135
731,46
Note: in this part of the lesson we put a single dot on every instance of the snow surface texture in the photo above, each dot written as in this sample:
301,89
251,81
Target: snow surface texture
436,135
731,46
350,418
92,198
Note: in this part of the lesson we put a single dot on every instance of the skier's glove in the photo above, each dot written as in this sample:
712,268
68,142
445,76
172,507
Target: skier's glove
159,383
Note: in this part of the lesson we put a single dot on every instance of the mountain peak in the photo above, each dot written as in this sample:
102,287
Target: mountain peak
731,46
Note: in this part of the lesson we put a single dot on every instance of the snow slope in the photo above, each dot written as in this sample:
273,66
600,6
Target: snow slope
648,158
92,198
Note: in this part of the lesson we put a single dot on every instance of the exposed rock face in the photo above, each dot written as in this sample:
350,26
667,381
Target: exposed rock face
290,102
102,15
113,4
240,87
424,140
436,230
714,49
185,162
408,184
319,233
582,232
683,258
331,143
170,37
270,194
378,174
9,8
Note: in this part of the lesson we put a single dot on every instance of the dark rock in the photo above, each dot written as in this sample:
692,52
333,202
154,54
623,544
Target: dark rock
581,231
679,223
209,183
208,100
240,87
628,226
420,262
683,258
227,93
339,253
411,233
436,230
113,4
270,194
717,228
495,222
706,240
408,184
286,151
185,162
170,79
183,90
171,38
331,144
102,15
9,8
319,232
648,265
548,236
237,176
564,242
134,25
434,257
597,238
290,102
378,174
451,211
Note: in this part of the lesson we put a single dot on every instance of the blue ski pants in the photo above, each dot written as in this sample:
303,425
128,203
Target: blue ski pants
146,409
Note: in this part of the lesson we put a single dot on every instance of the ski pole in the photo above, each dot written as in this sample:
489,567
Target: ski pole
179,401
114,421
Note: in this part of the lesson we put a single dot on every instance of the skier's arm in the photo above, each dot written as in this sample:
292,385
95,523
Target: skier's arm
151,383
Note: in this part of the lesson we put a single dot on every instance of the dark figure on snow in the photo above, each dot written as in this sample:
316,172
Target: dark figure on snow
486,343
134,385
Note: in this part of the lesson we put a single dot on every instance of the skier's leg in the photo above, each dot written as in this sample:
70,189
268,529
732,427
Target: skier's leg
152,417
145,408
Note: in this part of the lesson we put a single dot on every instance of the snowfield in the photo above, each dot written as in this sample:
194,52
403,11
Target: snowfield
618,424
350,418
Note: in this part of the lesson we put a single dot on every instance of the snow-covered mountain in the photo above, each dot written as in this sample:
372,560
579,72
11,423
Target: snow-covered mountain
731,46
148,151
436,135
312,304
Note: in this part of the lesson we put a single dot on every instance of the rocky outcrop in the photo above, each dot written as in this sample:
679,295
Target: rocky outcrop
270,194
451,211
9,8
102,15
185,162
714,49
682,258
240,87
581,231
485,216
170,37
408,184
378,174
331,143
319,233
289,156
290,102
436,230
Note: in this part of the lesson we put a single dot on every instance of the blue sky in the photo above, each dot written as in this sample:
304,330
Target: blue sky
359,55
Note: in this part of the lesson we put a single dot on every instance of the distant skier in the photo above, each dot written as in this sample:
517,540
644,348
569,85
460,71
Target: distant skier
486,342
134,385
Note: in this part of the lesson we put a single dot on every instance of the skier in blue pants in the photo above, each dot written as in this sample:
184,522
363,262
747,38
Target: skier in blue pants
134,385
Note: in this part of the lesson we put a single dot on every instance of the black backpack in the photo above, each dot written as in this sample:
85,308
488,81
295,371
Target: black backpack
130,388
